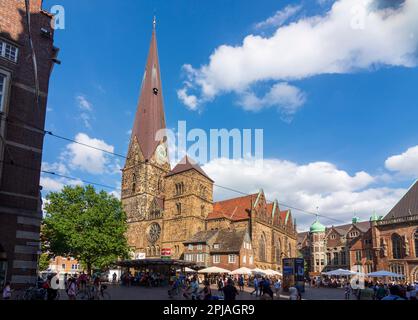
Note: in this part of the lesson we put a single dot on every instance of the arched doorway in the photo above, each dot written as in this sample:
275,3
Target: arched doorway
3,266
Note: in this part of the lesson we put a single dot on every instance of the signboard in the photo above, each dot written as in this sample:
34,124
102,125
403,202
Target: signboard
287,267
140,256
293,273
166,253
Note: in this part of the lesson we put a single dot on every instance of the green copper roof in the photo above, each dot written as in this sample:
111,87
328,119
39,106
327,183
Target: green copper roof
317,227
374,217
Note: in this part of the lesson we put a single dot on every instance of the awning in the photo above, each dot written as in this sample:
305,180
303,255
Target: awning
214,270
383,273
242,270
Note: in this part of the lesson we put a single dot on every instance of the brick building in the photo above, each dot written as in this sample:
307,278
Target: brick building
383,243
225,248
64,265
167,207
23,99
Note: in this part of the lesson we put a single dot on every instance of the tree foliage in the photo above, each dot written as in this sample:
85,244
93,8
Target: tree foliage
43,262
85,225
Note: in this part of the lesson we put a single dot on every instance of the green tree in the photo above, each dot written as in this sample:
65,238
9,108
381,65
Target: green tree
86,225
43,262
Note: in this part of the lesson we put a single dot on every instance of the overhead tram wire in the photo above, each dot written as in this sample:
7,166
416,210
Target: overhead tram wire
50,133
58,175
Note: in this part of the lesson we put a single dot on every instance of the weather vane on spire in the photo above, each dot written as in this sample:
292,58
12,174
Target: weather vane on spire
154,22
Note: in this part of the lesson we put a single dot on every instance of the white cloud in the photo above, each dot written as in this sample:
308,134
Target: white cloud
285,97
87,159
83,103
56,167
353,35
280,17
306,186
189,101
57,184
405,164
86,108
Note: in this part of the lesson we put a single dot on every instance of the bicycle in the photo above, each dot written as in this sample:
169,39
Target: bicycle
85,294
103,294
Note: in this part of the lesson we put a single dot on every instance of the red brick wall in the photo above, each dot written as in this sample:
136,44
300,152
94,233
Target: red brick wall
19,188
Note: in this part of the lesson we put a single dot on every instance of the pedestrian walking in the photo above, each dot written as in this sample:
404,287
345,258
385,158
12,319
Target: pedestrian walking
241,283
72,289
255,287
230,292
7,292
277,288
347,291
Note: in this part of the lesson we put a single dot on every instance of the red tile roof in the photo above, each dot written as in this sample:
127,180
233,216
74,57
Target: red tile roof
234,209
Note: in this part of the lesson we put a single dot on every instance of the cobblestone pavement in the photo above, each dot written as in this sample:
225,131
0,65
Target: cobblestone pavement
140,293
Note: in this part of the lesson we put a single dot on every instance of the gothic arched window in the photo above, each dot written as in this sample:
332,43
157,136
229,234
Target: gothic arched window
178,206
396,246
416,243
262,248
134,182
289,250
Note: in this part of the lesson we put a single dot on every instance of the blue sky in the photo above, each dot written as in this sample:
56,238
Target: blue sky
328,140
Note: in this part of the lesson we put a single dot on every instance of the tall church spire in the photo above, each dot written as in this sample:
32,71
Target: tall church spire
150,116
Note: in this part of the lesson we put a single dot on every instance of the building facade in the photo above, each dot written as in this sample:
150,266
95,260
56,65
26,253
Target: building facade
168,207
226,248
23,99
384,243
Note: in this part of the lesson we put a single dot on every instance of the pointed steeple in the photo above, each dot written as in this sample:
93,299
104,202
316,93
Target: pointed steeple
150,117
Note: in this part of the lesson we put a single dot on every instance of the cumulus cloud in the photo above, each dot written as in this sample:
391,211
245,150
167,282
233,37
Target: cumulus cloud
190,101
405,164
57,184
87,159
337,193
283,96
280,17
353,35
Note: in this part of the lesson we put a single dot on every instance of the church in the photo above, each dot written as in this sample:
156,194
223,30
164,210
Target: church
168,208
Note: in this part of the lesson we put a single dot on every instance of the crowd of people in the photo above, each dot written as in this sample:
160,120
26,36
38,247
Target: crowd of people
146,279
382,291
369,289
228,288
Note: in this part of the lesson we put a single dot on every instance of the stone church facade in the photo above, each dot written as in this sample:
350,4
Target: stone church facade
168,207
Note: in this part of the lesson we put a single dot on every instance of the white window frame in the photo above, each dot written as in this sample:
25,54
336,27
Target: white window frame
3,45
244,259
199,247
200,257
251,260
216,259
190,247
216,246
5,92
232,258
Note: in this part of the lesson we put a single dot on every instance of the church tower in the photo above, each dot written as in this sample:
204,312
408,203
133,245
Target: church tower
147,163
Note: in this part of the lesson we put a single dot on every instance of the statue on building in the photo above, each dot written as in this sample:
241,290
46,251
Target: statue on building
405,245
384,248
